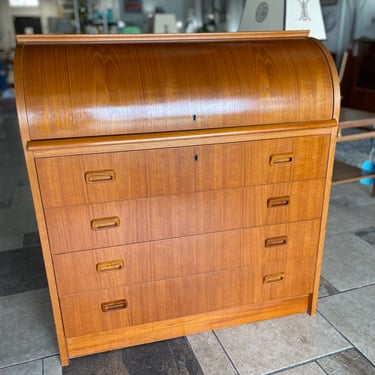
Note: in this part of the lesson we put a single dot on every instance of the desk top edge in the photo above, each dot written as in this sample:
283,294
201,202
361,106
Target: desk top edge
156,38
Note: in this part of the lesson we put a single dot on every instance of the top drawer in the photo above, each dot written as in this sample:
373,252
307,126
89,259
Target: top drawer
84,179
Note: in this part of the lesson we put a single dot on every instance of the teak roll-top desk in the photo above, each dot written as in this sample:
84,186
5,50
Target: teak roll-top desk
180,182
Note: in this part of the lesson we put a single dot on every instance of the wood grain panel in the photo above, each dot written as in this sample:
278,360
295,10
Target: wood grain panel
189,214
257,156
151,302
196,254
167,299
284,160
174,216
69,228
119,89
82,313
156,331
304,202
171,171
77,272
280,242
63,180
298,278
161,300
312,157
242,286
219,167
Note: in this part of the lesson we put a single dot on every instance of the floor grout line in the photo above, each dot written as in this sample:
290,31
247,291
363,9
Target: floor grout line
226,353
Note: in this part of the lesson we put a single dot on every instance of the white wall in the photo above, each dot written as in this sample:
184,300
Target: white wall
347,20
47,8
365,23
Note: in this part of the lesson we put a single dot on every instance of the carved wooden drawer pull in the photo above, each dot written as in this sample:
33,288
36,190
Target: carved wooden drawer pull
105,223
119,304
276,241
278,202
94,177
281,159
273,278
111,265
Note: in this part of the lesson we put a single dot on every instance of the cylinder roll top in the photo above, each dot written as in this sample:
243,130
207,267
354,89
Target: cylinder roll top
84,89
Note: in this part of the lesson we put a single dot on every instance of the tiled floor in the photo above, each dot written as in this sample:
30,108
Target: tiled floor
339,340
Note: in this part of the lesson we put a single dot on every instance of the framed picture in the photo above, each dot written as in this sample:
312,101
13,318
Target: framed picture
165,23
262,15
305,15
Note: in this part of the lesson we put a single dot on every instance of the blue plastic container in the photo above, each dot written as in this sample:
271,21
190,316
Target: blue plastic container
367,167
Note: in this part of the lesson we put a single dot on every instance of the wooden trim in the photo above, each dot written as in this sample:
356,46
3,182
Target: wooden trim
355,137
156,38
336,91
323,224
39,213
110,340
359,123
129,139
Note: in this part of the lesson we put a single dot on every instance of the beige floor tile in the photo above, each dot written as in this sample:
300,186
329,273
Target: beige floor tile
352,313
52,366
210,354
27,331
352,195
263,347
348,261
30,368
348,362
341,220
308,369
367,214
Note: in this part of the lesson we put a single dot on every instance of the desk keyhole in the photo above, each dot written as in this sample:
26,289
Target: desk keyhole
196,157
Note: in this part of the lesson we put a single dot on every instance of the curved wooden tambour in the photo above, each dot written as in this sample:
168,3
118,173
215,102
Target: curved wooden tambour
142,84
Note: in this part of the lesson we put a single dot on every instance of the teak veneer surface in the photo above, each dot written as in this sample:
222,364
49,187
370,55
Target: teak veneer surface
70,228
63,180
242,80
180,182
159,260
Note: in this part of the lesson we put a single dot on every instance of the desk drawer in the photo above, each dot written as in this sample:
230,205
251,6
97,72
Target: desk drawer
120,223
144,303
107,177
152,302
97,226
112,267
288,279
74,180
283,203
90,270
286,159
178,257
282,242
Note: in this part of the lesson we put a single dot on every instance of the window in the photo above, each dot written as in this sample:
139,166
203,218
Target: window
24,3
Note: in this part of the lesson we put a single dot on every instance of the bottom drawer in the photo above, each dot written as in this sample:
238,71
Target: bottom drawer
288,279
168,299
142,303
